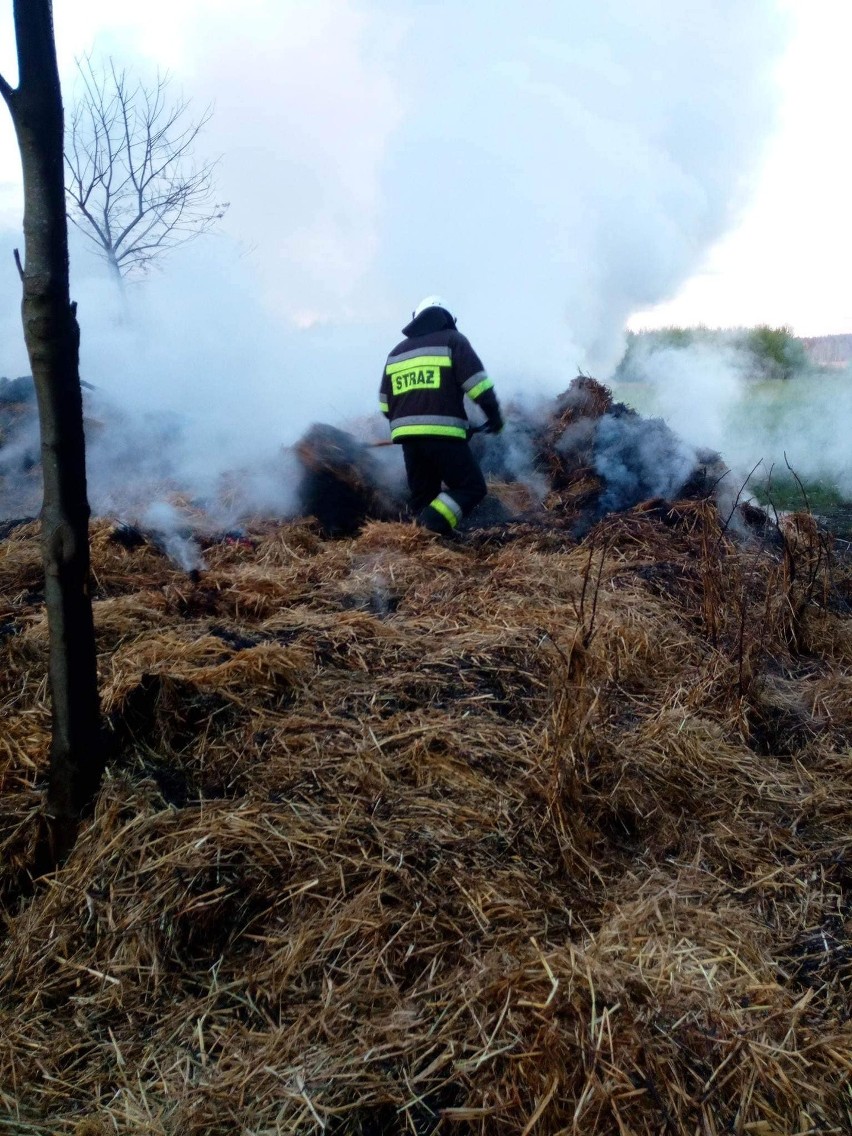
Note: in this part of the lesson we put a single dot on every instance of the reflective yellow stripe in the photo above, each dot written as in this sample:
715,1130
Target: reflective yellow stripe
417,362
445,511
442,431
485,385
383,406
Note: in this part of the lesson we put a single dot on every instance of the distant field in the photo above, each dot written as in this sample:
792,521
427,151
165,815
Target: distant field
805,422
767,401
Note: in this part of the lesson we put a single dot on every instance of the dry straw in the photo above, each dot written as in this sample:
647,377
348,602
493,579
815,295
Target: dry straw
511,835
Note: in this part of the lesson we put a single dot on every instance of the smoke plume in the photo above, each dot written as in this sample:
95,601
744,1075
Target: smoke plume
549,168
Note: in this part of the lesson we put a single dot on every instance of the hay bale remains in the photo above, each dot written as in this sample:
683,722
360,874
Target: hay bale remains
341,484
587,457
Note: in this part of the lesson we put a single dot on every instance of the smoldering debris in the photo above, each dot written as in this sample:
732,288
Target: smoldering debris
634,458
14,392
341,483
164,528
20,471
9,526
563,465
127,535
571,462
173,536
639,458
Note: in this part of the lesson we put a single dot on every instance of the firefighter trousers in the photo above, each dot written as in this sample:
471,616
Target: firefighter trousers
433,463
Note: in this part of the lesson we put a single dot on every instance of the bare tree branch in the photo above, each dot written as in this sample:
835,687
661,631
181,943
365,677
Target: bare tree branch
132,186
6,90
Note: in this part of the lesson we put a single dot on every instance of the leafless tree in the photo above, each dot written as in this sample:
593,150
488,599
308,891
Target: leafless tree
53,338
131,182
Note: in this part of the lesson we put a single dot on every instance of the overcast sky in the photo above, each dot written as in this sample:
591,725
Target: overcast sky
788,260
559,170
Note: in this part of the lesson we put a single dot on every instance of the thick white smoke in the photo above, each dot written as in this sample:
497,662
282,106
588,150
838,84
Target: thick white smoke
548,167
709,394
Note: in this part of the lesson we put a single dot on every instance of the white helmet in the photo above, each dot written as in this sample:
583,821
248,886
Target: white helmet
429,302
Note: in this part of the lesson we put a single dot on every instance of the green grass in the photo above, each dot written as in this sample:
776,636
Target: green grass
785,491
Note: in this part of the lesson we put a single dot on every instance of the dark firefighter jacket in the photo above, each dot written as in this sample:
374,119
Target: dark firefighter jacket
427,376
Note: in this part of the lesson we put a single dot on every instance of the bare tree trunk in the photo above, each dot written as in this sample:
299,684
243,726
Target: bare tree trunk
123,316
52,337
114,270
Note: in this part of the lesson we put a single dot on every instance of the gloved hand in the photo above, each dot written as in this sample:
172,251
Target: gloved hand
494,424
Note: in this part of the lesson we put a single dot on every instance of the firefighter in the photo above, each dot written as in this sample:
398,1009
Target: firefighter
422,394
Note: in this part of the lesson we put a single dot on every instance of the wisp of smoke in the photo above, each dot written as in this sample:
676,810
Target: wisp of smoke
169,529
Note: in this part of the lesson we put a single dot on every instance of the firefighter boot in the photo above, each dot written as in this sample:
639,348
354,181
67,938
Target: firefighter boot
429,518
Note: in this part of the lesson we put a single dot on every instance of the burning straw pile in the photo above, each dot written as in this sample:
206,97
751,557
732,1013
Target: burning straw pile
565,464
402,836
